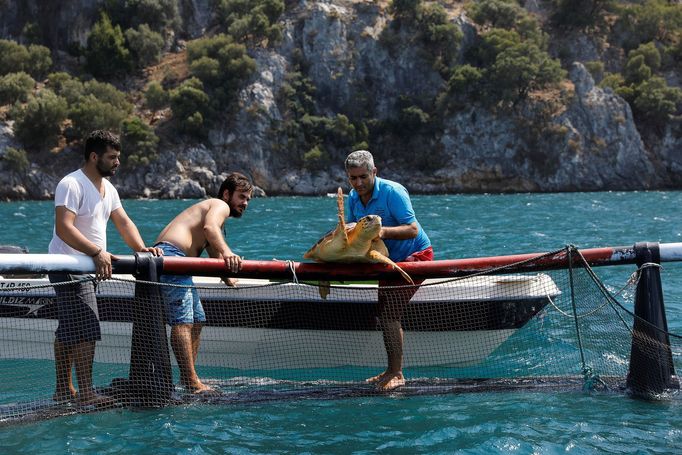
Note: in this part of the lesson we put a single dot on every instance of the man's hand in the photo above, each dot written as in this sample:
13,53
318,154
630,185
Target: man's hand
232,282
232,261
152,249
103,269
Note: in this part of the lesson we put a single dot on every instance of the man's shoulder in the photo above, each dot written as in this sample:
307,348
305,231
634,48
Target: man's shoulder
72,179
391,186
209,204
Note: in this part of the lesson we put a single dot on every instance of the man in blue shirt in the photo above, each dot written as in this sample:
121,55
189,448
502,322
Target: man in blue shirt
406,242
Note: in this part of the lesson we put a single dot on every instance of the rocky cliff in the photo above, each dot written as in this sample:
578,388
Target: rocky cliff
587,140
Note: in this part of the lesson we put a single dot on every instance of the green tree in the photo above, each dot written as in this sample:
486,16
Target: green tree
39,60
139,142
580,13
91,113
106,54
15,87
650,54
651,20
17,159
146,45
250,21
636,70
521,68
190,106
155,96
405,10
222,65
38,123
13,57
496,13
159,15
655,101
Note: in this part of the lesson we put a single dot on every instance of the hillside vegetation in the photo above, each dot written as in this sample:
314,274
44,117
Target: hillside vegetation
144,69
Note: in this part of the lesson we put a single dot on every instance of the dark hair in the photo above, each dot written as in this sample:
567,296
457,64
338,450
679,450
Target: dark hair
98,141
235,181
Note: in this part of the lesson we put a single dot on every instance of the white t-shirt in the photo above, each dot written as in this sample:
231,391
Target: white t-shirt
78,194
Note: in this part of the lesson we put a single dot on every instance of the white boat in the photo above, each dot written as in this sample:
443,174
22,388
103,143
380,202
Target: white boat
263,325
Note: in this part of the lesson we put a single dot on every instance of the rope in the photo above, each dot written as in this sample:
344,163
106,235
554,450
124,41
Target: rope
292,267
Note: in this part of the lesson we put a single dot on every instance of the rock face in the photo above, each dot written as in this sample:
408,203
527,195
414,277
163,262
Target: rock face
590,142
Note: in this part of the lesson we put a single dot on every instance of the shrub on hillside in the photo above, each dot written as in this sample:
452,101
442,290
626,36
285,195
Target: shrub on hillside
651,20
190,106
580,13
159,15
496,13
90,113
655,101
38,123
139,142
15,87
39,60
222,65
14,57
155,97
106,53
16,159
250,21
145,44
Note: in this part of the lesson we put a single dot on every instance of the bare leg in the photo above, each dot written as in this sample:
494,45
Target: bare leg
393,342
63,363
183,347
196,341
84,355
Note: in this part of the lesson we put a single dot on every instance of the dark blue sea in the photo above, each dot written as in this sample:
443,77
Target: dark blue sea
492,422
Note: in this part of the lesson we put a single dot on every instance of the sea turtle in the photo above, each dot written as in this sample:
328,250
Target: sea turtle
354,242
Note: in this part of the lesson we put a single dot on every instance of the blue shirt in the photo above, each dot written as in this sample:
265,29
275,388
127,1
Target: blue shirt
391,202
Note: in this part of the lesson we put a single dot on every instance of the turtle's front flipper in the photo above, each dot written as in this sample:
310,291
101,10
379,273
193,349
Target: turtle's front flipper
324,289
378,257
341,228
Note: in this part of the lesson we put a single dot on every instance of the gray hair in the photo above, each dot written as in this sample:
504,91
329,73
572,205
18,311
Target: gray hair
360,158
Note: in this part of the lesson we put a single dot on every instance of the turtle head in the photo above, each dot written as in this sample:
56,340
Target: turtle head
369,226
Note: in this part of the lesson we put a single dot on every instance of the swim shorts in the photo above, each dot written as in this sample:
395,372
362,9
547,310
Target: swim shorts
76,309
183,305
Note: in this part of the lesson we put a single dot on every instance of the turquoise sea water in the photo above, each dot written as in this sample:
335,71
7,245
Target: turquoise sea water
459,226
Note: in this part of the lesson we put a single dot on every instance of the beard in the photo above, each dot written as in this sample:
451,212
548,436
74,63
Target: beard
105,172
235,213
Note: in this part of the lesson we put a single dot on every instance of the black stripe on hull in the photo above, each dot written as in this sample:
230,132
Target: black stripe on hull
432,316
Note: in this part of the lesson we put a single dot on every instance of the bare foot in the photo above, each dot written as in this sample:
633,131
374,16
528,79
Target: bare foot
391,381
199,387
95,399
376,378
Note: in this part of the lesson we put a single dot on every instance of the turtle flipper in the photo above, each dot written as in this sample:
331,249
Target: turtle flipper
342,220
378,257
323,289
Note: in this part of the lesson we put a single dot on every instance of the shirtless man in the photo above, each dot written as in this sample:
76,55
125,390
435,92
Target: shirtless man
197,228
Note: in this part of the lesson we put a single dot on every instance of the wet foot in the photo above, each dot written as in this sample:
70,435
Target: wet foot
387,380
391,381
376,378
199,388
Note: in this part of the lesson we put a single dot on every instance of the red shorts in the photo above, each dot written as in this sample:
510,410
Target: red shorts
392,302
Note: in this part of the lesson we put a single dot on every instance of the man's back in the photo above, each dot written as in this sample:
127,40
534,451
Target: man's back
186,231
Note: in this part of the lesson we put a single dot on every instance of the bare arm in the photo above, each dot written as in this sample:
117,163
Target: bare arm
65,227
402,232
129,232
217,213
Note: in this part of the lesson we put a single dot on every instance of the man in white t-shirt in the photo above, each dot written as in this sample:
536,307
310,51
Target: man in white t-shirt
84,202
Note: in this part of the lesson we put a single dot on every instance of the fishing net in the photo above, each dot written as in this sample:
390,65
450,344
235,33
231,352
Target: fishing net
498,329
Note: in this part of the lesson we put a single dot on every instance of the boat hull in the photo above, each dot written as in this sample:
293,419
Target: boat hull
288,326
